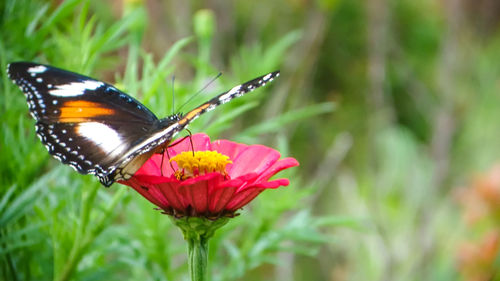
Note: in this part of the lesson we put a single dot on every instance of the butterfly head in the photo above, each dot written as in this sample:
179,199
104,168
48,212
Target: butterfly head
165,122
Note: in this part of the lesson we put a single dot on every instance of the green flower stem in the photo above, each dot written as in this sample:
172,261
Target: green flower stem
197,259
197,231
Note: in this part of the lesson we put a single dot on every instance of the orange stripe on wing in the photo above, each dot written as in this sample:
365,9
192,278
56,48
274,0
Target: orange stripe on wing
79,111
193,114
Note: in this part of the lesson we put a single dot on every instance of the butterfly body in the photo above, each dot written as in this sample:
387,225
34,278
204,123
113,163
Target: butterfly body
97,129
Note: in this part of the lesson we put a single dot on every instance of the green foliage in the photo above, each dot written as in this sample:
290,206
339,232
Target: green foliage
56,224
387,107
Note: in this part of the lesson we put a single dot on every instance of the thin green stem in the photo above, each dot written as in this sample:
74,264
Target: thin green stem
197,258
197,231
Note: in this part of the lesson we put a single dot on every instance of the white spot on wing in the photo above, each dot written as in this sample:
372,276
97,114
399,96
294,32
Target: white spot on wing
227,96
267,76
103,136
37,69
75,88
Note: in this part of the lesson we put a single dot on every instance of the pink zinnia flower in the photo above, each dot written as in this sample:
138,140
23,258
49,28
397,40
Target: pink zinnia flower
213,180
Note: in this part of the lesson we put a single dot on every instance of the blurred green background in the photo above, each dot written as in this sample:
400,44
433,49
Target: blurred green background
390,106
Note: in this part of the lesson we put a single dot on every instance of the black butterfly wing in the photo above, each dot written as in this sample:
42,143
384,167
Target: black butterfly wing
83,122
97,129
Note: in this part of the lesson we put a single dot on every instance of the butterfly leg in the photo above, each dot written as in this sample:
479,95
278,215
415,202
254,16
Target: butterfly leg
190,140
163,156
181,140
174,144
165,150
161,163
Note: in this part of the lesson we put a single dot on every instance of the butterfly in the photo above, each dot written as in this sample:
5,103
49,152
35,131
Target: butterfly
98,129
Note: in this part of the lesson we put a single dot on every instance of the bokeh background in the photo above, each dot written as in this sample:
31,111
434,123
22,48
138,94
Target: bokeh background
392,107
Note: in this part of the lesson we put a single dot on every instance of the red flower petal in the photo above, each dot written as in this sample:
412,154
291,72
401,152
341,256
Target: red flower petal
242,198
211,194
228,148
273,184
170,191
255,158
220,198
201,142
278,167
144,189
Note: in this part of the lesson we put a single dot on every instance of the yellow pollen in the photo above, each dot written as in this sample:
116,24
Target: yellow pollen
192,164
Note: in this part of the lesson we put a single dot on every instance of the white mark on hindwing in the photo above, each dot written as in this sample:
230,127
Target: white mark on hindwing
103,136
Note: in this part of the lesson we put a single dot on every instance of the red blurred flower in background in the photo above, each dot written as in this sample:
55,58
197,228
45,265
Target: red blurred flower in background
480,200
210,179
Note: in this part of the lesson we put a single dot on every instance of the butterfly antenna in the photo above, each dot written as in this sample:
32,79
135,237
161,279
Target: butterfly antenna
201,90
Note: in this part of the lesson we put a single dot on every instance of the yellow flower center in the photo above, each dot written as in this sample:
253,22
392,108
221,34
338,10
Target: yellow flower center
192,164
